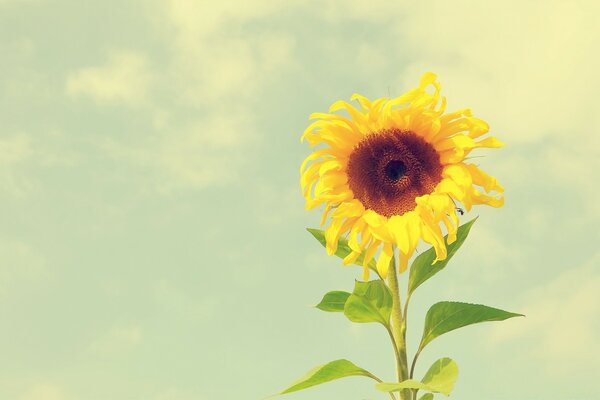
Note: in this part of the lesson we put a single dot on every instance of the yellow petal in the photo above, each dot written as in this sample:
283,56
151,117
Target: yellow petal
397,227
438,204
332,198
313,156
366,273
465,112
331,165
331,183
353,208
357,229
480,198
450,187
432,234
364,102
450,227
454,142
377,225
371,250
484,180
459,174
325,212
478,127
403,99
337,119
310,176
490,142
413,228
403,262
338,227
332,235
357,116
383,263
351,258
427,79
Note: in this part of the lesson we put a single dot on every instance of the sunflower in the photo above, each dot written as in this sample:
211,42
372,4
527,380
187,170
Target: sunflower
392,172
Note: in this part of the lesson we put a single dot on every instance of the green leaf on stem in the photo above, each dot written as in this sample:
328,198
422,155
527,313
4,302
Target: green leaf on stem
333,301
328,372
426,396
447,316
369,302
342,249
422,268
396,387
440,378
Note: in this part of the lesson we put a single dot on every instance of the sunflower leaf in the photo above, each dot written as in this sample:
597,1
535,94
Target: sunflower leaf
447,316
440,378
396,387
328,372
333,301
369,302
426,396
342,249
423,268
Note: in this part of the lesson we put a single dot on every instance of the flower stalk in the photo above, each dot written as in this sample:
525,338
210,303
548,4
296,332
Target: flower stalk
398,331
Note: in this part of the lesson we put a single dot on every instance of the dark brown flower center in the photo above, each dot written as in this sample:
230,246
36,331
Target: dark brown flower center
387,170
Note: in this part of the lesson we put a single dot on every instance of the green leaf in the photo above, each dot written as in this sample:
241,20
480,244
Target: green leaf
422,268
447,316
370,302
334,301
440,378
343,249
396,387
325,373
426,396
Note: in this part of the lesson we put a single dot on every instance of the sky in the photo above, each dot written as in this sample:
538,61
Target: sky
153,243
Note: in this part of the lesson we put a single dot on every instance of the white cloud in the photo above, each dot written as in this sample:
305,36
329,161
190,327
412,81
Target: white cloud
278,205
19,2
530,65
202,19
125,79
208,151
15,151
214,59
175,394
116,341
22,155
562,321
19,262
177,302
44,392
215,67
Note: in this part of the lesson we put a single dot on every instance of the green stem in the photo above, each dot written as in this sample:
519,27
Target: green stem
414,362
398,334
396,352
412,371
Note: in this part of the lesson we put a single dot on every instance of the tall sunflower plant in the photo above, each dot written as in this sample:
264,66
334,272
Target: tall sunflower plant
391,173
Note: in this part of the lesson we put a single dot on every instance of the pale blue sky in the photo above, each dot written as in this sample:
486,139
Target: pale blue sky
152,243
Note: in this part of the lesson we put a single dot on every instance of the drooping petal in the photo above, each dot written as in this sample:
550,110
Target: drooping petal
383,263
480,178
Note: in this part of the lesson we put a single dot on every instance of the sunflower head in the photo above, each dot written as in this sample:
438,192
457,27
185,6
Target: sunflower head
392,171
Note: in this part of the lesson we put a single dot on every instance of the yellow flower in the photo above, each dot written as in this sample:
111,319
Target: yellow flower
392,172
